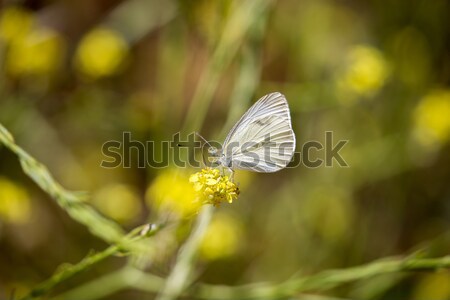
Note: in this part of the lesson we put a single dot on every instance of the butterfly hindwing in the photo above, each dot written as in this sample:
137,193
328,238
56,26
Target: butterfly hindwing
263,139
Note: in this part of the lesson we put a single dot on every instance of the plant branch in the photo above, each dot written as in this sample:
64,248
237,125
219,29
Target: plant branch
92,259
244,15
178,278
323,280
72,202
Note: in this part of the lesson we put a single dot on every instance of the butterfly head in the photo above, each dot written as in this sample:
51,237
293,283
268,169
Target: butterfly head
213,151
217,157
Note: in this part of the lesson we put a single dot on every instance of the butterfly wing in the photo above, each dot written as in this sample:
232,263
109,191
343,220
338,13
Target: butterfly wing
263,139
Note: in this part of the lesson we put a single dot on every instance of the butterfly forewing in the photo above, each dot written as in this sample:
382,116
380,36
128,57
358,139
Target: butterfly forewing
263,139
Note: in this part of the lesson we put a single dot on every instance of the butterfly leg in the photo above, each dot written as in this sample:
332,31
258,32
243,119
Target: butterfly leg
232,174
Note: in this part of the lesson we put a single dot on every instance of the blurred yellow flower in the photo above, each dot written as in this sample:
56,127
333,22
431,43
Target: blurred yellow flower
118,201
433,286
171,192
365,73
36,53
432,118
15,206
101,53
222,238
15,22
213,188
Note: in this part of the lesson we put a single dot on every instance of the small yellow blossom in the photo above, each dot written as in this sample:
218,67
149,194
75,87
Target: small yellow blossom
15,23
222,238
101,53
15,206
213,188
39,52
119,201
171,192
432,118
366,72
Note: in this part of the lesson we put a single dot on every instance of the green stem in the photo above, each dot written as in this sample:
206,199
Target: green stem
245,14
72,202
112,283
68,272
325,280
248,77
179,277
243,17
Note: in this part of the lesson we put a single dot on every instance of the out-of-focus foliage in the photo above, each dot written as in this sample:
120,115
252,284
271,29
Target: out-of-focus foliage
76,74
433,286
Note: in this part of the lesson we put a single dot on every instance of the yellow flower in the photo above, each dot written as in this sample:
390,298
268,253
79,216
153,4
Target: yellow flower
222,238
15,23
118,201
365,73
432,118
213,188
171,192
101,53
15,206
36,53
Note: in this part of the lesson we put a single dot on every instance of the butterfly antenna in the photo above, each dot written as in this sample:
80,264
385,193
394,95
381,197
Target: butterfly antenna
201,137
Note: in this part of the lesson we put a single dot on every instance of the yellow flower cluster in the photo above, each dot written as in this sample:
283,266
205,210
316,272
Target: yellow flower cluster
213,188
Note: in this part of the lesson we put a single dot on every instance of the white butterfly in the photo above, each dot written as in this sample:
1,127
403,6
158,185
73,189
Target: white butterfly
262,140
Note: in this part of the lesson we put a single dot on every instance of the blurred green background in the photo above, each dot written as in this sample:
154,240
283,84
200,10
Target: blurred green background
75,74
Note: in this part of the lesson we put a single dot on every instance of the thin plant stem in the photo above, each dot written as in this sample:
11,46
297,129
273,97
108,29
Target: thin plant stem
112,283
89,261
321,281
244,15
249,75
179,277
72,202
